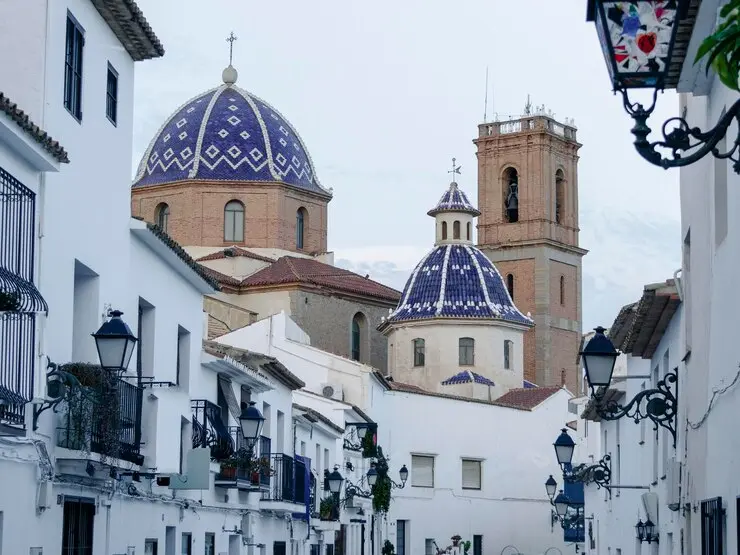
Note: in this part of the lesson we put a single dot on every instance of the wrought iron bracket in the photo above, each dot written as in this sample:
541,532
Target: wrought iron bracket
679,137
599,473
59,385
660,405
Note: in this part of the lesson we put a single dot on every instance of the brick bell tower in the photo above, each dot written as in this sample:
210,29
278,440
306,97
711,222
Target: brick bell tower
528,196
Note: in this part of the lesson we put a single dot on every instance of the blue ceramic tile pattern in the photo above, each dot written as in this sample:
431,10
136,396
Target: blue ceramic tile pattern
529,385
233,143
467,286
454,199
467,376
244,139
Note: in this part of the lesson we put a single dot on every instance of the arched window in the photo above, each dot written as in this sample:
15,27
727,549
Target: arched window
559,196
466,347
162,215
511,195
300,223
456,229
508,353
234,221
418,352
510,285
469,227
562,290
358,327
444,230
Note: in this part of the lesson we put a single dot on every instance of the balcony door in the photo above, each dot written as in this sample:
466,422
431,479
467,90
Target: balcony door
77,526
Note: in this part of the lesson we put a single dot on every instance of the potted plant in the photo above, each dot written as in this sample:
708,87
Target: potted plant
326,508
466,546
388,548
456,540
228,468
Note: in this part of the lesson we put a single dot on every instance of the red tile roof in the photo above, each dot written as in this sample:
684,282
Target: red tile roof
306,271
234,251
527,398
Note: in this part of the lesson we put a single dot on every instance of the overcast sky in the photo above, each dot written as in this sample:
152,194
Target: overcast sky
384,94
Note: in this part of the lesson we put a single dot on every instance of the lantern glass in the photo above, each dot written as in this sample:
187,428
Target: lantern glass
551,486
372,476
640,529
403,474
335,481
561,504
649,529
115,343
251,421
564,447
637,39
361,432
599,358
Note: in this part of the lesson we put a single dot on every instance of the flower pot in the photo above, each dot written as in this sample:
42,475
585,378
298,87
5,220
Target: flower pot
255,478
228,472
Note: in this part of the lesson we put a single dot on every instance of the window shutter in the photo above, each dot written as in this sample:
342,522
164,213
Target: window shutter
471,474
422,471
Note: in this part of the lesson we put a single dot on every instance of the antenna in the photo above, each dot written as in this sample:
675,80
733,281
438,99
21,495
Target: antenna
485,104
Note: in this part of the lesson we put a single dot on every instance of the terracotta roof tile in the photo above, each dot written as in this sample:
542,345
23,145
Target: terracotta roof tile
527,398
128,23
293,270
39,135
231,252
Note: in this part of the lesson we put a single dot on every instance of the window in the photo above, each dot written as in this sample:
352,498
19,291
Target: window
400,537
77,526
711,527
467,351
468,229
150,547
187,544
300,222
111,96
444,230
510,285
210,544
471,474
234,221
478,544
358,325
162,215
562,290
511,195
279,548
559,196
456,229
508,353
418,352
422,471
183,357
73,67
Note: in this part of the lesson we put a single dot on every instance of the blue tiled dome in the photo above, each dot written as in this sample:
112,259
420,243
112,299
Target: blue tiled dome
456,281
454,200
228,134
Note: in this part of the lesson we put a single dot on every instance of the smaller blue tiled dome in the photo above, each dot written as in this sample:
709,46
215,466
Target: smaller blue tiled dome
456,281
468,376
454,200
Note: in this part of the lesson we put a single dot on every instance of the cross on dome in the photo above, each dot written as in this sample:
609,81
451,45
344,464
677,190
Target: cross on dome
230,75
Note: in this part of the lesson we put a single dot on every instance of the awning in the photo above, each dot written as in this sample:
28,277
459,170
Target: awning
23,294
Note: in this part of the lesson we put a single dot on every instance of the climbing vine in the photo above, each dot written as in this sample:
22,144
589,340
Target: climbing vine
382,488
369,448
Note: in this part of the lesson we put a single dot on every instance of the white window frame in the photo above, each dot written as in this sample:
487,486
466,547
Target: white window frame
417,476
477,462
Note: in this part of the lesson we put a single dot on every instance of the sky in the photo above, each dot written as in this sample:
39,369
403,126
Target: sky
385,94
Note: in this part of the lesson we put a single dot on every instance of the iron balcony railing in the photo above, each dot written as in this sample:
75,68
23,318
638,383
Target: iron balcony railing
210,431
244,474
290,480
19,298
108,423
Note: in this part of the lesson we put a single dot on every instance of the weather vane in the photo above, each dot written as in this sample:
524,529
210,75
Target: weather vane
231,40
455,169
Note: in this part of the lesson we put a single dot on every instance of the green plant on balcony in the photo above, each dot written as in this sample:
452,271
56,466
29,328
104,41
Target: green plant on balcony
253,467
9,301
382,489
722,48
92,412
328,508
388,548
369,448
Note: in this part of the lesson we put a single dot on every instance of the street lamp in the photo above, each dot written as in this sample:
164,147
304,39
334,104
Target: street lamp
599,357
660,406
361,432
638,39
335,481
251,421
404,475
640,529
564,447
115,343
372,475
650,531
561,504
551,487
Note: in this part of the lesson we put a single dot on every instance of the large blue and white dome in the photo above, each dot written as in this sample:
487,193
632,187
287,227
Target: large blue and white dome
228,134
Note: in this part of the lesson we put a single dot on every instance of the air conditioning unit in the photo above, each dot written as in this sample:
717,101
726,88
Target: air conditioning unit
673,482
332,391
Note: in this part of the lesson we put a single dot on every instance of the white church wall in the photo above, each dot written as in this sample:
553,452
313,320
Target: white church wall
516,455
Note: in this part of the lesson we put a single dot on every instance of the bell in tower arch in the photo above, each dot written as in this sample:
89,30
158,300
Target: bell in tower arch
512,203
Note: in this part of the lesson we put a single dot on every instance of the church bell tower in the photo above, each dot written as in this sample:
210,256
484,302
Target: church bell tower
528,196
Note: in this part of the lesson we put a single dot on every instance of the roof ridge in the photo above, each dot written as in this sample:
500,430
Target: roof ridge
293,269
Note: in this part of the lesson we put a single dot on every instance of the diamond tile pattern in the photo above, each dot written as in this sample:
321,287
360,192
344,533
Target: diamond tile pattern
466,376
456,281
456,200
243,139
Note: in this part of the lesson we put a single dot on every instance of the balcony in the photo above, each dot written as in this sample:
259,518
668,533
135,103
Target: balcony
19,301
251,475
103,417
290,485
210,431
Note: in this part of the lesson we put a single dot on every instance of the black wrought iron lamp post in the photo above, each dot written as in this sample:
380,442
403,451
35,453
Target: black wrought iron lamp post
646,531
659,404
251,421
638,39
598,473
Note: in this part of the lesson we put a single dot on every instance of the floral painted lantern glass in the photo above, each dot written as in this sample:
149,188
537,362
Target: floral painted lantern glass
637,39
